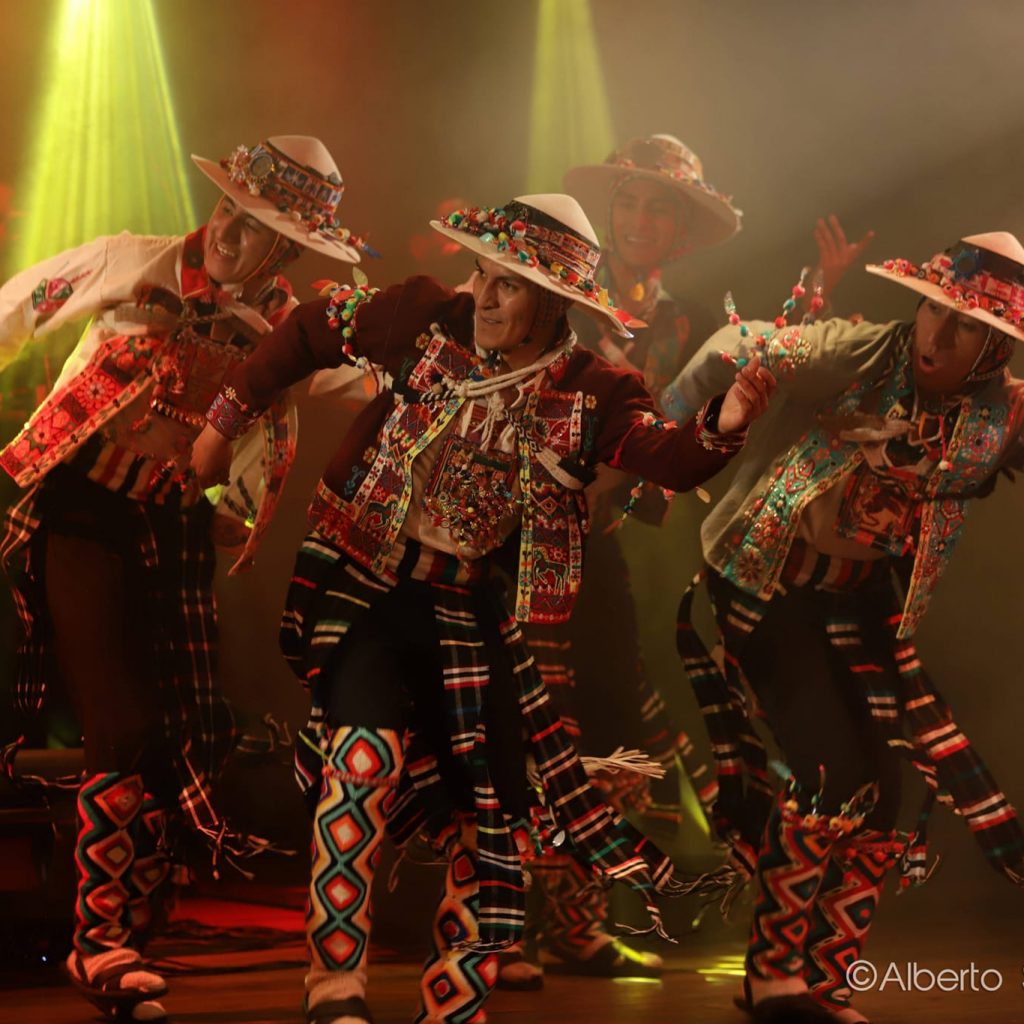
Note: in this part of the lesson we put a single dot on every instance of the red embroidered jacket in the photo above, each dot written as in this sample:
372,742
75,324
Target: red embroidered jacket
417,334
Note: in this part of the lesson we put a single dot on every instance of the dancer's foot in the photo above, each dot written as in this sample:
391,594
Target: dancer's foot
336,997
517,974
791,1008
846,1015
340,1011
119,984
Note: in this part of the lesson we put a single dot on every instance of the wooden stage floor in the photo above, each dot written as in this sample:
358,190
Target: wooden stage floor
250,972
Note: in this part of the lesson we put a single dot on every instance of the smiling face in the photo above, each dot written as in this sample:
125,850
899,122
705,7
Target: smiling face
237,244
646,223
506,306
946,347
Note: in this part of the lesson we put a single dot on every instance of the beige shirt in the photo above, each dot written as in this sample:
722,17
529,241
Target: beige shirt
818,527
95,280
832,354
100,276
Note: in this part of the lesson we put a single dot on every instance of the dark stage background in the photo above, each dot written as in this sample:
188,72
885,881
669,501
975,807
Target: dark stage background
902,117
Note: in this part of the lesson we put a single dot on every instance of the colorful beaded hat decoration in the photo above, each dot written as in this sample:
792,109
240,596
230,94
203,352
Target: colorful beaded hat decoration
982,277
545,238
711,217
292,184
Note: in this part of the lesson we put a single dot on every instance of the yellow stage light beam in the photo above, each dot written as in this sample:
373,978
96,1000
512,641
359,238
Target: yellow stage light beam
570,117
693,810
106,155
723,968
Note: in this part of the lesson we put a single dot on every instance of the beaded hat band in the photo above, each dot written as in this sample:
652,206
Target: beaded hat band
982,276
292,184
545,238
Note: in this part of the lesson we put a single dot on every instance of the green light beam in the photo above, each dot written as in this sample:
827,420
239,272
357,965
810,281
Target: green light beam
570,117
106,156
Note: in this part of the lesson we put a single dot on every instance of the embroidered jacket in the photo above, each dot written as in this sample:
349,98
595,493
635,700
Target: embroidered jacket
418,336
792,458
145,293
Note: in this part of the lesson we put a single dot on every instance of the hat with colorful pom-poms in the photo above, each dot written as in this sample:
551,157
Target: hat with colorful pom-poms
547,239
982,276
292,184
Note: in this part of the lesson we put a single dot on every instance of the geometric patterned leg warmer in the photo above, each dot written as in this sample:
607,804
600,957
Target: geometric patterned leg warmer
108,804
145,881
575,910
456,982
790,868
360,774
843,911
575,923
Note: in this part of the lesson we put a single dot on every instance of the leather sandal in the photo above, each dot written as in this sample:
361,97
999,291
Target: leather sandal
106,993
325,1013
792,1009
511,980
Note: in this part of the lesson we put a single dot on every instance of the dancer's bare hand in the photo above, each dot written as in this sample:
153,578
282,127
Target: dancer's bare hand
211,457
835,254
747,398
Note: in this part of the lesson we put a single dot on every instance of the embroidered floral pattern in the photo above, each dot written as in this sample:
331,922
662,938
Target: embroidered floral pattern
50,294
787,351
77,411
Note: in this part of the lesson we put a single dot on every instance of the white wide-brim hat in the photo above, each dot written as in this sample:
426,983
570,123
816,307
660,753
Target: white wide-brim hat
980,277
711,217
292,184
545,239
